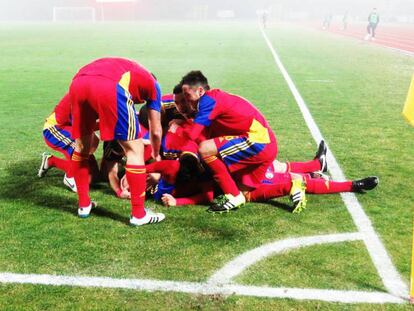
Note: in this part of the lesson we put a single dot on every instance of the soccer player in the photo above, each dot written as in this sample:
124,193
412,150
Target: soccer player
373,21
240,141
57,135
274,185
107,89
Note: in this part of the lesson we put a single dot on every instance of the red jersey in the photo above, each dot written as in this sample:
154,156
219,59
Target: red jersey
133,77
61,114
226,114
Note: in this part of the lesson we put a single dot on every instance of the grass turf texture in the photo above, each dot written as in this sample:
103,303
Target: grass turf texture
358,111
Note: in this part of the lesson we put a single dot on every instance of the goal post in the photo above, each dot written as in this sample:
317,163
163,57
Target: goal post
74,14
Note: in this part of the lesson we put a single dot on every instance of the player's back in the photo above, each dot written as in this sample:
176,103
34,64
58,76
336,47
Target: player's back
110,67
232,114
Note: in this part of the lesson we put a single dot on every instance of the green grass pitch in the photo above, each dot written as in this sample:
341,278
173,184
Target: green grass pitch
354,91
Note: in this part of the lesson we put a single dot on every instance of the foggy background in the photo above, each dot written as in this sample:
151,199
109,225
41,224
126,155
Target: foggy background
394,11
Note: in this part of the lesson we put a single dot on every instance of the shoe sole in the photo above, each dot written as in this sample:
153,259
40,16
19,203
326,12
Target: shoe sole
42,171
226,211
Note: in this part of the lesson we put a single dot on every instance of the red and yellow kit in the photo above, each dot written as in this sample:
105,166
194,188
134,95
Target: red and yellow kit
107,89
57,129
242,135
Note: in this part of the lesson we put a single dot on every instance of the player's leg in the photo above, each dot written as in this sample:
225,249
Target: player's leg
232,198
322,186
318,163
126,131
58,139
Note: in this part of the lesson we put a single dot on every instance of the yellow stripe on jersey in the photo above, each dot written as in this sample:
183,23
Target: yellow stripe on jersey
258,133
125,80
236,148
50,121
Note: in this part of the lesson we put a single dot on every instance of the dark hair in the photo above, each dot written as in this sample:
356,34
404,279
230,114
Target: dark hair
178,89
195,77
143,117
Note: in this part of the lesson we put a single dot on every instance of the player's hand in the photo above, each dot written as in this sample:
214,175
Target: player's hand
168,200
157,158
125,194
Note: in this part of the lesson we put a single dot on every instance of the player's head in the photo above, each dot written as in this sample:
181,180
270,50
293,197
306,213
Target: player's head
190,168
143,117
194,85
183,107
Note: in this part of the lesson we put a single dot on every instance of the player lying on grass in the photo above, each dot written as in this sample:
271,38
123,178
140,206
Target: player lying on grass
107,89
57,133
273,186
232,137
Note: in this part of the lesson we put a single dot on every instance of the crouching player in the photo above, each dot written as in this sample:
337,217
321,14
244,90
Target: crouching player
107,89
57,133
239,140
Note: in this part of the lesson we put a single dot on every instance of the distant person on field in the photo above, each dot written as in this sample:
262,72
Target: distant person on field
373,21
327,21
345,21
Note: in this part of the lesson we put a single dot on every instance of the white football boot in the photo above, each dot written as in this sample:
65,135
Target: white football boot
150,218
83,212
44,167
70,183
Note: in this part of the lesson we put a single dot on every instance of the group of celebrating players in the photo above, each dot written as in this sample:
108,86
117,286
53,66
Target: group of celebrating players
195,146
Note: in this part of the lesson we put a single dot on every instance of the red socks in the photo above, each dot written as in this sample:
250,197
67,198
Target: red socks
80,169
136,176
266,192
221,175
321,186
61,164
304,167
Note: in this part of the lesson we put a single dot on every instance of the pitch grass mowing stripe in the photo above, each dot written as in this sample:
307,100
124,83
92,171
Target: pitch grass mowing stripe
202,288
388,273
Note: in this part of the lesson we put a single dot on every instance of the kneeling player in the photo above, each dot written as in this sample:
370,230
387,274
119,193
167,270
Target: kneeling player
57,132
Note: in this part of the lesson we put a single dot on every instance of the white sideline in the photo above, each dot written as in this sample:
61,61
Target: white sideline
249,258
220,282
201,288
388,273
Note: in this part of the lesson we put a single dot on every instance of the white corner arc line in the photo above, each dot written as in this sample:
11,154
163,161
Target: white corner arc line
382,261
251,257
201,288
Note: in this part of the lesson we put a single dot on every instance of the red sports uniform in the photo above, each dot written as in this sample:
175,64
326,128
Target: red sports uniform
58,128
245,141
107,89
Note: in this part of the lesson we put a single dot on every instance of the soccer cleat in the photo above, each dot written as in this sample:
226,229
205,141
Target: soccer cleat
83,212
44,167
321,156
227,202
298,195
70,183
149,218
368,183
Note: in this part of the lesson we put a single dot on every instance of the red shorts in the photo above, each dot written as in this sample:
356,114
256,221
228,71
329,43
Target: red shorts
59,138
94,98
247,161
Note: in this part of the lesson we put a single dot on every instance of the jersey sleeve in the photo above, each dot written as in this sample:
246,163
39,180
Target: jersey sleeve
206,107
154,98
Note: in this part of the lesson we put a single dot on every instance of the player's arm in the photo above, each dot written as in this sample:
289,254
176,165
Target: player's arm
154,120
155,131
110,168
206,113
